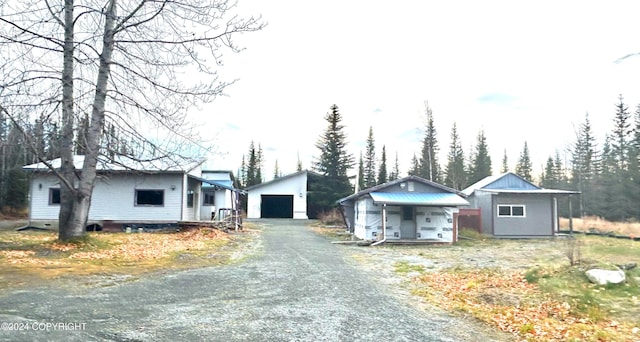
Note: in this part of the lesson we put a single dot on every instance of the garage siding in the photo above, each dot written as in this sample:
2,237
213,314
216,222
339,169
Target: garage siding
294,186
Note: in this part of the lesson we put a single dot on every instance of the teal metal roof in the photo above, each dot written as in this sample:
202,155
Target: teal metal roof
418,198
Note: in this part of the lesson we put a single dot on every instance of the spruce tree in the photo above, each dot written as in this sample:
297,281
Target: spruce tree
584,169
547,177
480,161
299,164
370,161
621,191
361,173
613,203
505,162
621,134
333,163
634,162
276,171
455,174
242,174
414,169
259,163
382,170
429,167
395,172
524,168
252,166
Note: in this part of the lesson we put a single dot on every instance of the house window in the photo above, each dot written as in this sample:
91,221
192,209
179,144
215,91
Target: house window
511,210
190,195
208,199
54,196
149,197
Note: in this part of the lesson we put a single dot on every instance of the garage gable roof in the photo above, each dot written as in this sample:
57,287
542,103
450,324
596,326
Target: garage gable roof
418,198
280,179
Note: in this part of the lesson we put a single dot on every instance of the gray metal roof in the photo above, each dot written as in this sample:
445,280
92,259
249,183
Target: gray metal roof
509,182
419,198
534,191
405,179
123,163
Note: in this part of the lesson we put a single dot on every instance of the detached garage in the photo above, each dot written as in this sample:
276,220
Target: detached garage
283,197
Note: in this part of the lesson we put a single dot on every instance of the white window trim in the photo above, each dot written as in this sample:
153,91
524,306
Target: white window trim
524,210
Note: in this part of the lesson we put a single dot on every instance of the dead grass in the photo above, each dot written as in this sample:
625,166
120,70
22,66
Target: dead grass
529,288
331,218
29,256
591,223
333,233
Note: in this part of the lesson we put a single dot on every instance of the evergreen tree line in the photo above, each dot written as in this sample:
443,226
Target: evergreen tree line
606,174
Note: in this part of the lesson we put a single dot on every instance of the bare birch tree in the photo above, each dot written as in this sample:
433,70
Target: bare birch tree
138,65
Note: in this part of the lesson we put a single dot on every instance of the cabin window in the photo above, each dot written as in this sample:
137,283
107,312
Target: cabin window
511,210
190,195
149,197
208,199
54,196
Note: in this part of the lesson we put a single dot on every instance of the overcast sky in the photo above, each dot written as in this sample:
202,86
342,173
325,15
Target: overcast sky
522,71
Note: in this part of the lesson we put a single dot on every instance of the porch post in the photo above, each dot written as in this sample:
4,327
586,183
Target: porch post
570,217
384,221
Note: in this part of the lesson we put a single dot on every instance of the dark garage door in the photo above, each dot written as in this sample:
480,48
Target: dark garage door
276,206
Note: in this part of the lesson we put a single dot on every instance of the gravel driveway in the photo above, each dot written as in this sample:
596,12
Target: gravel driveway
297,287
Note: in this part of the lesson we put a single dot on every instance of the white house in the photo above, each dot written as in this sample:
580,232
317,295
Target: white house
125,191
411,208
283,197
219,194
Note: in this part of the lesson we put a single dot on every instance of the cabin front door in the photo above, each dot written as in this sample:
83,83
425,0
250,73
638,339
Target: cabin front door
408,223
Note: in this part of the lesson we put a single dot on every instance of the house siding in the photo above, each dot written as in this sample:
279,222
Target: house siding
435,223
484,202
368,221
394,217
113,198
538,220
432,223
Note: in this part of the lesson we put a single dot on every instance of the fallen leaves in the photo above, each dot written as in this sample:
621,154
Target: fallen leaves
506,300
121,246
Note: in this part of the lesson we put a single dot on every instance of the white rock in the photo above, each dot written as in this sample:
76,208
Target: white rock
604,277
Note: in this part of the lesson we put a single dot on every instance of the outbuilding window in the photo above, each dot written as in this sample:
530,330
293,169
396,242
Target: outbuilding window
54,196
149,197
511,210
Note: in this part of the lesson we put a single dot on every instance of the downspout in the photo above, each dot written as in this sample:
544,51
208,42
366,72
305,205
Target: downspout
235,196
384,226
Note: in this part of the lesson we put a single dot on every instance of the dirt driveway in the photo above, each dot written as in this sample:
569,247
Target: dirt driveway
296,287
